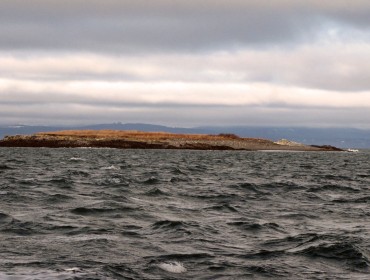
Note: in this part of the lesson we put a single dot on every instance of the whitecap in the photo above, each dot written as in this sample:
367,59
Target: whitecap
73,269
76,159
173,267
115,180
112,167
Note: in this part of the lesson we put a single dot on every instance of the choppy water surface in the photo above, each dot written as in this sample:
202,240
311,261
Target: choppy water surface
160,214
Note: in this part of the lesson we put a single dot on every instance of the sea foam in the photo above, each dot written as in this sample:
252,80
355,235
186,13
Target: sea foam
112,167
76,159
173,267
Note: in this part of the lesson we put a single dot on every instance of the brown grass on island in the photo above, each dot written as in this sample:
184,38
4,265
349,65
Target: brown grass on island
131,139
149,136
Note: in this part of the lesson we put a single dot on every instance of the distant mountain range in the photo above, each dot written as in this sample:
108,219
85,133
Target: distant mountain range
339,137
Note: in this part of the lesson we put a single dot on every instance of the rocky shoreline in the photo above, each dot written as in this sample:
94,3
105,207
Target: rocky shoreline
151,140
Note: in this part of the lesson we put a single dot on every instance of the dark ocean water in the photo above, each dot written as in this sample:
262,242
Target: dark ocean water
164,214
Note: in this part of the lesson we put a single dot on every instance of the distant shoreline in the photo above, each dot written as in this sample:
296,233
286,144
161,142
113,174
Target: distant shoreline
152,140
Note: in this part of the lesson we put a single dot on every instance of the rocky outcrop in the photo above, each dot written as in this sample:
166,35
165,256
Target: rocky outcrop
328,148
286,142
154,140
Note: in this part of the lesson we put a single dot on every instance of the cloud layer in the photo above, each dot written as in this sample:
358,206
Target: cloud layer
185,62
168,25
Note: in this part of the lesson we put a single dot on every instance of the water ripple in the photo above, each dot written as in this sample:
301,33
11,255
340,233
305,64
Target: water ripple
161,214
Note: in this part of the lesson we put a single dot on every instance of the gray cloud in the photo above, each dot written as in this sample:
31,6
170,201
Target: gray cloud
164,25
337,67
255,62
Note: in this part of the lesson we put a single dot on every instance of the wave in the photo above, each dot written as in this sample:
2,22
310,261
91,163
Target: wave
95,211
342,251
337,177
116,181
27,181
249,187
181,257
255,226
335,188
128,233
214,197
46,274
362,199
267,271
177,171
61,182
5,167
179,179
151,181
14,160
334,247
112,167
225,207
5,218
221,215
79,173
77,159
17,227
173,267
363,175
291,241
156,192
122,271
264,254
173,229
58,198
167,224
83,232
285,186
298,215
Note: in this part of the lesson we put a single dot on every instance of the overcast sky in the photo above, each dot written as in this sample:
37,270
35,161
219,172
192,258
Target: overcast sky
185,63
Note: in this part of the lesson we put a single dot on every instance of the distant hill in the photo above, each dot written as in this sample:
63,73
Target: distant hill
339,137
26,130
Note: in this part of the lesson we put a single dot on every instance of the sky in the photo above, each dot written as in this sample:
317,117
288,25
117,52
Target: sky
185,63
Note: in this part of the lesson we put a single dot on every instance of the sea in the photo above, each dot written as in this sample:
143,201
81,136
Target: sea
181,214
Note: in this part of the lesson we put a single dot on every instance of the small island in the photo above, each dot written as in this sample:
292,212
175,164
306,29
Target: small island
152,140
